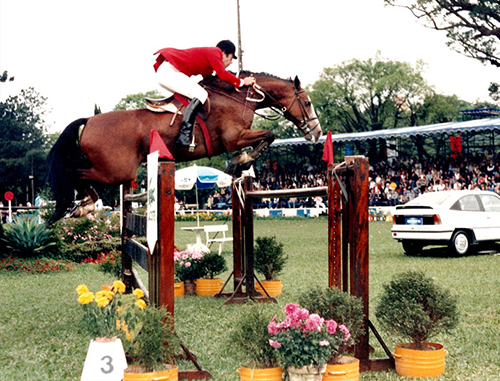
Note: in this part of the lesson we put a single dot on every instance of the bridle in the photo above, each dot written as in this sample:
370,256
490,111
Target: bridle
303,124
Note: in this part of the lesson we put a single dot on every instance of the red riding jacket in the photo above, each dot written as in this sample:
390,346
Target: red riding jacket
197,61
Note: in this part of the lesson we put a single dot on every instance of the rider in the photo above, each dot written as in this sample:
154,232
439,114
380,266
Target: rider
175,66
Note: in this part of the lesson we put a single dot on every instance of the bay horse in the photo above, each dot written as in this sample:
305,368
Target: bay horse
108,148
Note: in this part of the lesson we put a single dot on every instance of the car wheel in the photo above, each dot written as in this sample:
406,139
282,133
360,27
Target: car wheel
412,247
460,243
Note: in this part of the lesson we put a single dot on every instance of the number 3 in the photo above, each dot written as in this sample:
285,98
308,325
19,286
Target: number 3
110,366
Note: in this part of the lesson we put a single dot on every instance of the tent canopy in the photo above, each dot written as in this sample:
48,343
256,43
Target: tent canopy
471,125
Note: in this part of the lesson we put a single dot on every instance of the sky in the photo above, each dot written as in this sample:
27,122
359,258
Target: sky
81,53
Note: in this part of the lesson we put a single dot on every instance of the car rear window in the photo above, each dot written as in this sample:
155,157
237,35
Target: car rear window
432,198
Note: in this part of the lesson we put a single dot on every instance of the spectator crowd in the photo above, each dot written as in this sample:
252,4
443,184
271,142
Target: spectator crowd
390,183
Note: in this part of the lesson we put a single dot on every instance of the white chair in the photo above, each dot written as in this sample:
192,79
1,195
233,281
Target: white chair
214,230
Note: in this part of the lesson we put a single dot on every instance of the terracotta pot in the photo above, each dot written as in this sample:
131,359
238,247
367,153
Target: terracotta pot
189,287
412,362
178,289
306,373
208,287
261,374
133,373
346,370
273,287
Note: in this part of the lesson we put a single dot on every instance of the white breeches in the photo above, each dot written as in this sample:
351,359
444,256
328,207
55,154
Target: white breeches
174,81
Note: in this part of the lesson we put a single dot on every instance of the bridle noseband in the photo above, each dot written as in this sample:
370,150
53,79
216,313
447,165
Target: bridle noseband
303,124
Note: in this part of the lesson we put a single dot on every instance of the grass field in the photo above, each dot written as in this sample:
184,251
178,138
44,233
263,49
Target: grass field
40,338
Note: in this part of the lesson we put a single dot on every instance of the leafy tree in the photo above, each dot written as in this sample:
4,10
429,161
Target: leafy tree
5,77
23,144
136,101
472,27
369,95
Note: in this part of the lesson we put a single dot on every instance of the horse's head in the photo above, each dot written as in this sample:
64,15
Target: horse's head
301,113
294,103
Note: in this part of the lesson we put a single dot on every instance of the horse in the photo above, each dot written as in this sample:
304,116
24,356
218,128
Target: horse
108,148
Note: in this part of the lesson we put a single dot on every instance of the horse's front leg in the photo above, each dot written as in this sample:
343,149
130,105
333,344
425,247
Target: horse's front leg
259,140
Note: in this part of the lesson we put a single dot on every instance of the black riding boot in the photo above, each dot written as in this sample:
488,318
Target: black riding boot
184,136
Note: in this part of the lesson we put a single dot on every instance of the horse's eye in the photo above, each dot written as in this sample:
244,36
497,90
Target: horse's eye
307,103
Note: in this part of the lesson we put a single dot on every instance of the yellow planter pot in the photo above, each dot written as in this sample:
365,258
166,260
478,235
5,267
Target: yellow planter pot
178,289
131,374
346,370
420,363
273,287
261,374
208,287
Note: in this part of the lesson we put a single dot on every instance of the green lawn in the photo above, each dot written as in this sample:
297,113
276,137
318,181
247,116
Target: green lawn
39,316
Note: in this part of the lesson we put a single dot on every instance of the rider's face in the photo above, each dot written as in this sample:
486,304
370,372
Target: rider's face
227,59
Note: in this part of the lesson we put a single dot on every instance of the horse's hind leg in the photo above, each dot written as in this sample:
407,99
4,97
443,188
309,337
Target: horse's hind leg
84,206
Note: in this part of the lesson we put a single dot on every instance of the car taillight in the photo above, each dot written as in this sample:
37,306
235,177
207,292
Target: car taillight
437,219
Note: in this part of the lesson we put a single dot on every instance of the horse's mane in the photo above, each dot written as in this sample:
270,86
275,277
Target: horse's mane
217,82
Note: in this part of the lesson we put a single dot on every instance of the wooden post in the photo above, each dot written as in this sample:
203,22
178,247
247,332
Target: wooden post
161,274
126,274
358,242
237,237
334,231
248,238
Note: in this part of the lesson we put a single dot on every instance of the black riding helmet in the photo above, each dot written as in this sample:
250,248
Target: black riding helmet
227,47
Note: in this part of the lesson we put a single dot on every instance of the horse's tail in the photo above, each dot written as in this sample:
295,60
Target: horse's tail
61,161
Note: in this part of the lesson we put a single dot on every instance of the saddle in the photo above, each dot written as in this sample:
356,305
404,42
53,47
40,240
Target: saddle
174,104
160,105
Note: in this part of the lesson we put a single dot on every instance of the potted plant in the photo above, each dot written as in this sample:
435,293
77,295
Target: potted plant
334,304
269,261
304,342
251,337
414,307
99,321
212,265
188,267
151,345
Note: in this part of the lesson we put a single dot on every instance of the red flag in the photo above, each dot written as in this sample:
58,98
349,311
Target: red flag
328,149
156,143
456,146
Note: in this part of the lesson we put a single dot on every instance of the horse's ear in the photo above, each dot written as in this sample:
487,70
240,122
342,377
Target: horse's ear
296,82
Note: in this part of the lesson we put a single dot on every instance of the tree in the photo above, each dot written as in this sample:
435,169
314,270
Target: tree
472,28
23,144
369,95
136,101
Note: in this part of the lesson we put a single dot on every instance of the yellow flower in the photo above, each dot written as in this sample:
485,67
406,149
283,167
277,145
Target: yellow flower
86,298
138,293
118,324
82,289
104,294
119,286
140,303
102,302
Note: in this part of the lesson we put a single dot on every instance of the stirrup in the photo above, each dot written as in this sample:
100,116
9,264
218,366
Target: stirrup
192,146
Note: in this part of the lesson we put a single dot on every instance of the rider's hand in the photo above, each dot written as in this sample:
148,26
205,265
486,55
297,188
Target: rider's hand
248,81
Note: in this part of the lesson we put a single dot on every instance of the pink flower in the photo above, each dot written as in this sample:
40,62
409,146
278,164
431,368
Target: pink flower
273,327
187,264
344,329
324,343
291,308
274,344
313,323
331,326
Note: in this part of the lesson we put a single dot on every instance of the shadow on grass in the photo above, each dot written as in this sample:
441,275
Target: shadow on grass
444,252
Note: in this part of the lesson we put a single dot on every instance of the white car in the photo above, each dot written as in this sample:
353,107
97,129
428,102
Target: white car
453,218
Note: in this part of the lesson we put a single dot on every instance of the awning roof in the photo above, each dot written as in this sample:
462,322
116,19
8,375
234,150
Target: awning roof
471,125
